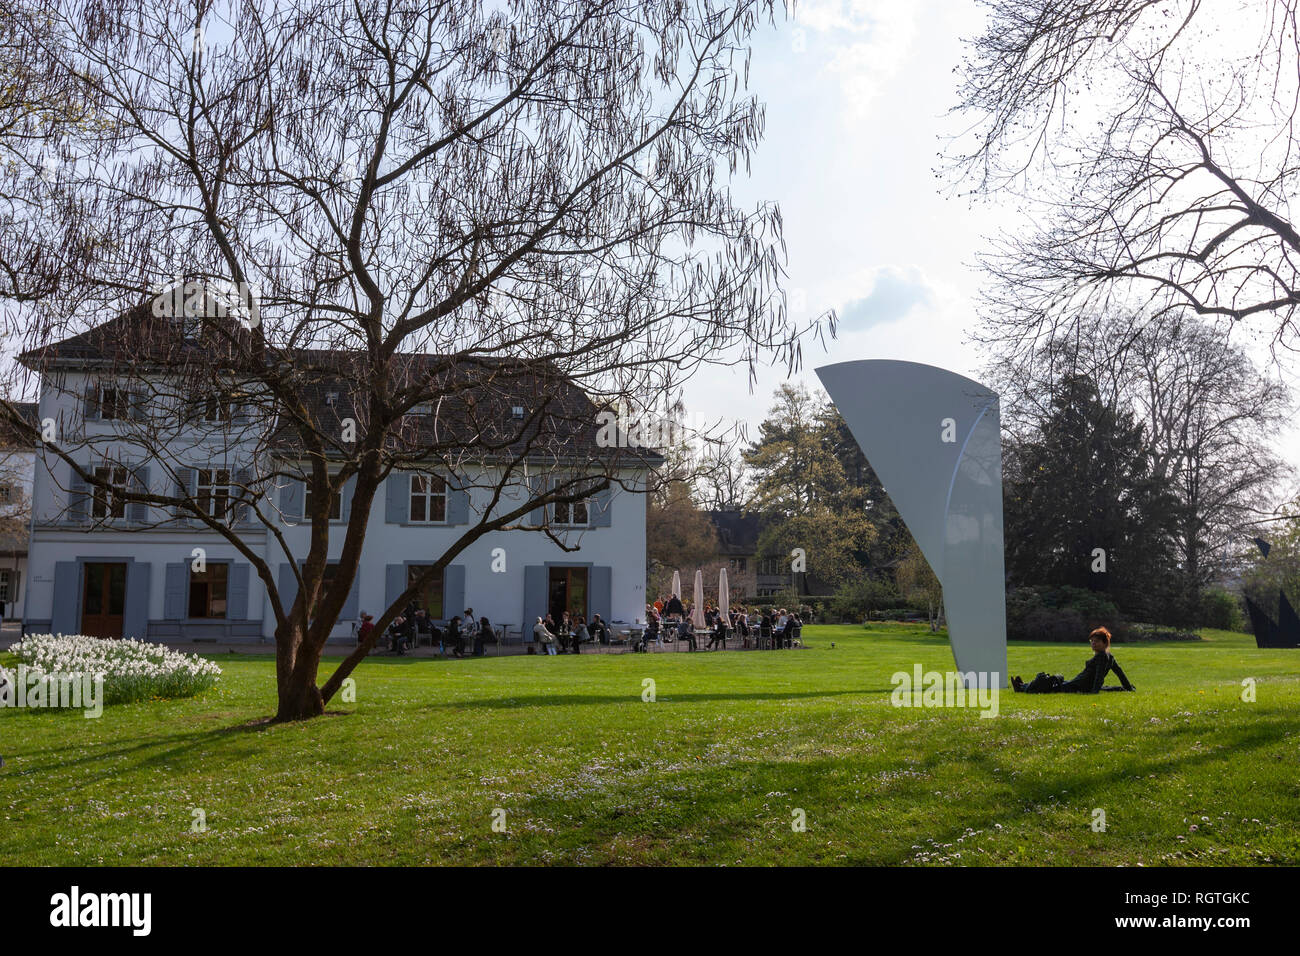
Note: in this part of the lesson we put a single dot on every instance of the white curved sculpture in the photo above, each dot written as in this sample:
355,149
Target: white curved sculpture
934,440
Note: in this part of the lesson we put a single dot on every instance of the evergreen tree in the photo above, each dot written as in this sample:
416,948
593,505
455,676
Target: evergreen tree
1083,507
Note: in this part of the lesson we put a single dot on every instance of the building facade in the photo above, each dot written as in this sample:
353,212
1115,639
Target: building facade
103,566
17,468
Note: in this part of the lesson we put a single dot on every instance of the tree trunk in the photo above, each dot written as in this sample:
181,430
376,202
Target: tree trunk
300,698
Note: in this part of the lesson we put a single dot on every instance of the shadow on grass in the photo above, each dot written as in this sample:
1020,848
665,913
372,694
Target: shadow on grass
706,813
634,697
177,745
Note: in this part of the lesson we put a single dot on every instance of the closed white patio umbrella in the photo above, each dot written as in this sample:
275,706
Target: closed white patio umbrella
697,609
724,596
677,584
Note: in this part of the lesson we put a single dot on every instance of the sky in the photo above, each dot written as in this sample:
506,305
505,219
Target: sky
858,97
859,102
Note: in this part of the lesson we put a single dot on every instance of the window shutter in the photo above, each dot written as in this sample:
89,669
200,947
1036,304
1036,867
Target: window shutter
78,499
536,487
67,598
397,498
291,500
137,410
138,511
457,505
244,514
453,590
135,615
287,586
237,592
534,597
394,583
601,508
351,606
346,493
600,600
176,587
184,488
90,402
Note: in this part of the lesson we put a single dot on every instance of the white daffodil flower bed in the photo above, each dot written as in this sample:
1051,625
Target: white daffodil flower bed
131,670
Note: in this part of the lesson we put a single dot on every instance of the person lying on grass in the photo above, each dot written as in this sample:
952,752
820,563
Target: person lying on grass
1089,680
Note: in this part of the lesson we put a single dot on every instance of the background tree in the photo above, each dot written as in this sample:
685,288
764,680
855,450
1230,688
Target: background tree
535,195
1154,143
45,230
1263,577
1080,484
1208,414
917,583
679,537
802,493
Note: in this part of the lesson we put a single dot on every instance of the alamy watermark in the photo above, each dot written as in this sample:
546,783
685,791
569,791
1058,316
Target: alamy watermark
953,689
211,299
37,690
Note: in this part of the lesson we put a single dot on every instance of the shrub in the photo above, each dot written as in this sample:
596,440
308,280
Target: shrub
855,600
897,614
1064,614
132,670
1154,632
1220,609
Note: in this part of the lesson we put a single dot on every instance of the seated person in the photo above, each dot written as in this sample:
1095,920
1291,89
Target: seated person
542,634
454,640
687,633
652,633
399,635
483,634
1088,681
580,634
422,625
719,633
366,628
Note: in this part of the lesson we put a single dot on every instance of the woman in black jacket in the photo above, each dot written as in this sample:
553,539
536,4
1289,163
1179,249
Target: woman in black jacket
1088,681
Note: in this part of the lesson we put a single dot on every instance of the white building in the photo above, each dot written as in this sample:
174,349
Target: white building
98,565
17,466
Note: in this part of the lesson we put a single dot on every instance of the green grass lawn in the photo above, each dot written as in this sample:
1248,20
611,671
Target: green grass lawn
711,772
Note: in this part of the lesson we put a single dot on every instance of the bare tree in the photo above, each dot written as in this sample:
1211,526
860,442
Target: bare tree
402,216
1155,144
1209,417
43,224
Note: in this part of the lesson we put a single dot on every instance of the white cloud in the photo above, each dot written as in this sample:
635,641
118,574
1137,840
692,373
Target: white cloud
882,35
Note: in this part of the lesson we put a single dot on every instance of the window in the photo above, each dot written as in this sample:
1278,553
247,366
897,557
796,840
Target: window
109,503
517,412
571,513
218,408
4,587
114,402
770,566
331,399
430,597
739,564
6,494
428,498
208,591
214,492
336,505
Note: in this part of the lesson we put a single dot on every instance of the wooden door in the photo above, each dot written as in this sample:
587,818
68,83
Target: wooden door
103,601
568,592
